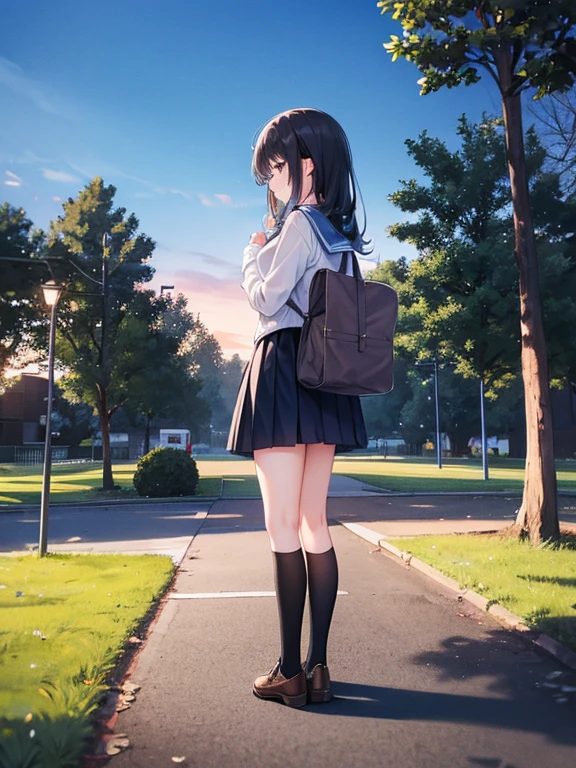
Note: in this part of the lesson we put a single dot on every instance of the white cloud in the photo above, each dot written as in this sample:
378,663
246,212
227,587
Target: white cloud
13,180
226,199
58,176
24,158
205,200
12,76
28,156
181,192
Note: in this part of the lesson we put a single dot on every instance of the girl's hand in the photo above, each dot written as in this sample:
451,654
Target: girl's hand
259,238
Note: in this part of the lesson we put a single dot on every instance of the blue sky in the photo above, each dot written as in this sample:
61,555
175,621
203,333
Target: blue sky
163,100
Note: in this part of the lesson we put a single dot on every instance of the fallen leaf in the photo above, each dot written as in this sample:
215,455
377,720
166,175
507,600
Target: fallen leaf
130,687
117,744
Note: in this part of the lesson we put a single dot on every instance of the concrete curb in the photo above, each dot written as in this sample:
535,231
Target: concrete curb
188,499
501,614
108,503
519,494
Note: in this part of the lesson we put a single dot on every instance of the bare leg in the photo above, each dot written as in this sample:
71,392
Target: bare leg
315,482
279,471
320,554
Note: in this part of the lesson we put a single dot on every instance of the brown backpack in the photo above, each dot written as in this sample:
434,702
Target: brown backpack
346,345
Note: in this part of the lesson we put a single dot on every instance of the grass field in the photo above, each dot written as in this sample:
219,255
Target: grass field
65,620
82,482
536,583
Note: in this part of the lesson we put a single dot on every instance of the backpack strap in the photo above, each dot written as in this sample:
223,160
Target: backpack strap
331,240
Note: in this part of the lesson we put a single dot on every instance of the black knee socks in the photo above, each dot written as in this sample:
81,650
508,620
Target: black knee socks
290,580
322,591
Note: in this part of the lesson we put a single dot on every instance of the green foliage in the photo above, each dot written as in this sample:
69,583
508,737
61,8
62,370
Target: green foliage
166,472
460,297
81,344
61,638
527,42
172,386
536,583
21,298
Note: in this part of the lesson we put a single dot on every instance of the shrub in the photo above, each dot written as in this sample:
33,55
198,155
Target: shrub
166,472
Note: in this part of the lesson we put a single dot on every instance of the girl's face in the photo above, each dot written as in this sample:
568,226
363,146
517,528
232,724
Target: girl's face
279,182
281,185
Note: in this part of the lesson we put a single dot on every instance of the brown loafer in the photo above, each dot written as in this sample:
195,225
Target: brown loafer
292,691
318,683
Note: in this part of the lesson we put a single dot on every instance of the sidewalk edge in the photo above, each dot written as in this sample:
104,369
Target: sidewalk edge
501,614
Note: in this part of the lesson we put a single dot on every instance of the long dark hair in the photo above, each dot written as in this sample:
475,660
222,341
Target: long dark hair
294,136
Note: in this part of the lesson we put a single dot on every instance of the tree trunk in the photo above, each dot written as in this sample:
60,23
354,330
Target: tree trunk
538,514
107,478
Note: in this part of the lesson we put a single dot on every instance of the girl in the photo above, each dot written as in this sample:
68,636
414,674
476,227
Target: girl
290,431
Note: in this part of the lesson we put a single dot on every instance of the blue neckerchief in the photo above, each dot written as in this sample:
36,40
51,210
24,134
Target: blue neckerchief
330,238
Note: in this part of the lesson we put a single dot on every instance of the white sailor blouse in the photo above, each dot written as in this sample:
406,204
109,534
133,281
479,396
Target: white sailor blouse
282,269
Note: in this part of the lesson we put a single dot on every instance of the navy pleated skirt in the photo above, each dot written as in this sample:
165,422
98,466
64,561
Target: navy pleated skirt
273,408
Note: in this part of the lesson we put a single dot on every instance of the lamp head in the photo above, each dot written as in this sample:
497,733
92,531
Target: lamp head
52,292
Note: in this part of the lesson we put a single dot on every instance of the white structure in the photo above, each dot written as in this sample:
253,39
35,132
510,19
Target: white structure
174,438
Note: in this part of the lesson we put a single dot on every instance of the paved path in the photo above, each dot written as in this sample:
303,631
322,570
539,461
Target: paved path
419,680
168,528
165,529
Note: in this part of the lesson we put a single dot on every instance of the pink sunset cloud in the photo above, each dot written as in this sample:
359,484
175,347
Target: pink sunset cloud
221,303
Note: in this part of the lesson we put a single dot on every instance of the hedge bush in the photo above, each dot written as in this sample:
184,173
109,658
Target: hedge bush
166,472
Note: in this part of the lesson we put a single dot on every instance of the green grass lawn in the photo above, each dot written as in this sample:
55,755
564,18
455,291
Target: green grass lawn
536,583
65,620
412,474
81,482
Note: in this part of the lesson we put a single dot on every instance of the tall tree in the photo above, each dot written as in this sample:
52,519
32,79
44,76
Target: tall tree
103,302
21,275
169,389
522,44
459,298
204,355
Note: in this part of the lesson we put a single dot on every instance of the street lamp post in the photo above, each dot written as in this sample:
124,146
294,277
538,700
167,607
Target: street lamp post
483,421
106,239
438,439
52,293
438,443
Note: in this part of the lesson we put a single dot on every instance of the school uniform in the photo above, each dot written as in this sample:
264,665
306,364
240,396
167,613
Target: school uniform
272,407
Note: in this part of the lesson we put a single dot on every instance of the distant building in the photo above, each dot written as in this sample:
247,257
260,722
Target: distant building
23,411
